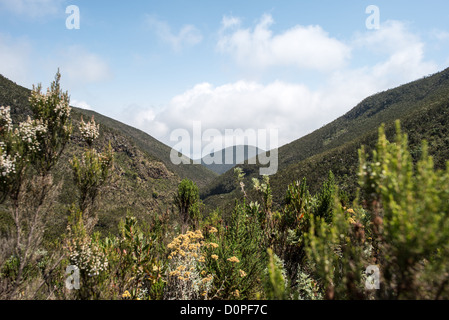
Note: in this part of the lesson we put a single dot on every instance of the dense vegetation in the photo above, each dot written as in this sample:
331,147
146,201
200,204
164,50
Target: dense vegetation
321,240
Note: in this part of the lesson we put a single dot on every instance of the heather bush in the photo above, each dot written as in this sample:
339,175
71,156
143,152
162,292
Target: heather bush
186,201
408,205
28,153
402,229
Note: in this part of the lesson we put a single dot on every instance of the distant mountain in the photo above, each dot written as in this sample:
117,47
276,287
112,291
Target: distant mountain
226,159
422,106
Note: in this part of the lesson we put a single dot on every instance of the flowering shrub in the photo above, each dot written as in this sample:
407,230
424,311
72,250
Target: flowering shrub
31,133
87,255
5,119
53,105
8,157
28,152
187,275
52,110
7,165
134,263
91,171
89,131
403,229
234,255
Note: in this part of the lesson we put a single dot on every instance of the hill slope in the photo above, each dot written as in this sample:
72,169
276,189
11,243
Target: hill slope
143,179
195,172
422,106
16,96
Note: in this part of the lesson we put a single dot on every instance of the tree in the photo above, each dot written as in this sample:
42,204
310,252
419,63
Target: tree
90,172
409,210
187,200
401,228
29,152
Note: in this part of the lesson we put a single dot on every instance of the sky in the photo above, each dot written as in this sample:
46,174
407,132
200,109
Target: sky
160,66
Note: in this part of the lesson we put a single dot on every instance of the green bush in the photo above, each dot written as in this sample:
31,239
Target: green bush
402,228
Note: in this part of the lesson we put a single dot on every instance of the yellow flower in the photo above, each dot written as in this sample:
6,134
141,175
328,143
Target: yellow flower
213,230
174,273
237,293
234,259
213,245
198,234
126,294
242,273
181,268
214,256
350,211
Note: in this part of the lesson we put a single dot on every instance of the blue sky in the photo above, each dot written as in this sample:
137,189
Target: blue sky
160,65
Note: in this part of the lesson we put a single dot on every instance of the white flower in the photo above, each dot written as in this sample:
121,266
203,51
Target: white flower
7,164
5,118
90,130
29,131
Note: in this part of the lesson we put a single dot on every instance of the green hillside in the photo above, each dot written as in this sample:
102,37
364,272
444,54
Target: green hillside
16,96
143,180
422,106
195,172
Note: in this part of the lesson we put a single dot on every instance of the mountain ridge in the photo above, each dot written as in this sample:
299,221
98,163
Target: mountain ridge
230,157
360,124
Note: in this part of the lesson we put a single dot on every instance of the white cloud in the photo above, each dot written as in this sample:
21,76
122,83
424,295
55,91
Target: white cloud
15,55
292,109
187,36
295,109
304,47
402,54
229,22
440,35
81,67
80,104
32,8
